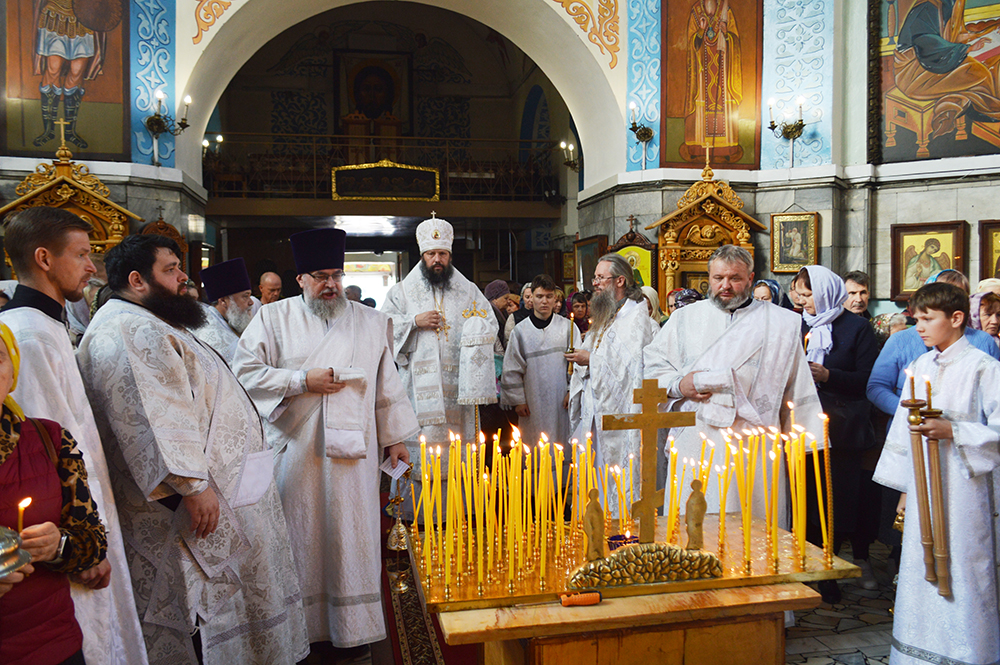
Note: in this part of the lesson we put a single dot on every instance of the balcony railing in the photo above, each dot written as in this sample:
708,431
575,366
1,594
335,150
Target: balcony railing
299,165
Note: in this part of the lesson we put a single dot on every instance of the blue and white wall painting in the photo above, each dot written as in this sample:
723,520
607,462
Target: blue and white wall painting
643,80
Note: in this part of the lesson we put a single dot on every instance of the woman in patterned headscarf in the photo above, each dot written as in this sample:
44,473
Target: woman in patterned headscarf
64,534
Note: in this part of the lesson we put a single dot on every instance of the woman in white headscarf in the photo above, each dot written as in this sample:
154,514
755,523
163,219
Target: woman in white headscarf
841,349
653,304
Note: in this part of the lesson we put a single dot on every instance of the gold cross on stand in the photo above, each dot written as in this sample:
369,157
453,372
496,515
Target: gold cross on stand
62,130
650,396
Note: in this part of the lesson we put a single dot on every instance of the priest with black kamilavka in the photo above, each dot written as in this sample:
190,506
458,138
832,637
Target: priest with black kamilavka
320,370
229,308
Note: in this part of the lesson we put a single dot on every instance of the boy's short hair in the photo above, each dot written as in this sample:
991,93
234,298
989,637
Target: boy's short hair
942,297
543,282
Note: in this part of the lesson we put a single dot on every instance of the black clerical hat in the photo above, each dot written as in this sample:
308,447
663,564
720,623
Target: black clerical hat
225,279
319,249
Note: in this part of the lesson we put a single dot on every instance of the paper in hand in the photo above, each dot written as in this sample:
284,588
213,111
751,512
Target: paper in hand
396,473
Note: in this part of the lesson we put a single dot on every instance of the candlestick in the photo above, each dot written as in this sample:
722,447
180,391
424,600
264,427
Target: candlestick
20,513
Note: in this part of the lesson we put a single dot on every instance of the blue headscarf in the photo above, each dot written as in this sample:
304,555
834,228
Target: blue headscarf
778,296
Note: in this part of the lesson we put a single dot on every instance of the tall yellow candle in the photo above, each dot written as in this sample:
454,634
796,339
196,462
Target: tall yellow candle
819,495
20,513
927,382
791,409
775,481
437,500
560,497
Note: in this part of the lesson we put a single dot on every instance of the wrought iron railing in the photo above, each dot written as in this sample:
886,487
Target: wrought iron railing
299,165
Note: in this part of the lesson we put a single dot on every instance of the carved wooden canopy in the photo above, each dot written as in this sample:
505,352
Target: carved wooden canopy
710,214
66,184
161,228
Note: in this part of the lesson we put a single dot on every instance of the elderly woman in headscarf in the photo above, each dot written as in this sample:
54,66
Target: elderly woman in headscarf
989,284
63,532
653,304
685,297
770,291
841,349
984,313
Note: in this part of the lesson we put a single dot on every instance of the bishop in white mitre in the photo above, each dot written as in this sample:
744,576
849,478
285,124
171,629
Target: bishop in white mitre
50,387
736,362
320,370
535,380
439,320
609,366
965,626
206,537
229,308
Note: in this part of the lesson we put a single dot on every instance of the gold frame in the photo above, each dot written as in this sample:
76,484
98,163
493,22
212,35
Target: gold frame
384,163
812,240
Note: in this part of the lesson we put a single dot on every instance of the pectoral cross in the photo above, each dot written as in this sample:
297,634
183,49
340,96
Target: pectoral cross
650,396
62,130
443,327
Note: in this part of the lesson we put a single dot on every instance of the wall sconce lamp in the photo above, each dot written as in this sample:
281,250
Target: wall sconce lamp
163,123
643,134
787,130
206,146
570,161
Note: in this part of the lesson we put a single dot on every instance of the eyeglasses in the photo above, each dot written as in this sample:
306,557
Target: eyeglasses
598,279
323,278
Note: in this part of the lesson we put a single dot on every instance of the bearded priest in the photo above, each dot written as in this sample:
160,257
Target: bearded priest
609,365
230,308
438,319
205,535
320,369
736,362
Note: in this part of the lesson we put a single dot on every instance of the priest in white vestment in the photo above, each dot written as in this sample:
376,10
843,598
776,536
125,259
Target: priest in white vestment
965,626
49,248
735,362
205,534
609,366
429,310
230,308
535,381
320,370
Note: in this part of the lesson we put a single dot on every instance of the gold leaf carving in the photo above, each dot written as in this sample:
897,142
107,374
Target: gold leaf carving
705,187
206,14
602,30
87,180
44,174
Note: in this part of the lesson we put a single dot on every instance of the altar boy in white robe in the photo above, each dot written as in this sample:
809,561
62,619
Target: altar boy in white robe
206,539
736,362
50,250
965,626
609,364
320,369
535,381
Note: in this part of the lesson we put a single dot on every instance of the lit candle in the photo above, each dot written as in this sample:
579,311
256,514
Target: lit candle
631,483
927,382
913,390
20,513
775,477
632,108
819,495
791,408
805,342
569,342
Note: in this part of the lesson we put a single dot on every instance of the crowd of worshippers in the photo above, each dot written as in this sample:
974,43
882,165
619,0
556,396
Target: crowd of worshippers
203,464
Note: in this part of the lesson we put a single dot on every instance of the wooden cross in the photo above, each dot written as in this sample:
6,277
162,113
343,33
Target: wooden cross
62,130
631,219
650,396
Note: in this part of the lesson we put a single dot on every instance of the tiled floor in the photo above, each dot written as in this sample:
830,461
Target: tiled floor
856,631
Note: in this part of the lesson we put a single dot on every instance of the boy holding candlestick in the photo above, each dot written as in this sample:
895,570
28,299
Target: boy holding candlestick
535,381
965,626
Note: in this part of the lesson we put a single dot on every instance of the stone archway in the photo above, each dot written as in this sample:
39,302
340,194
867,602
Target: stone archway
534,26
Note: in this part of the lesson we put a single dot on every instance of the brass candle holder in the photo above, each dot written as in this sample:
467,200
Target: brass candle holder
939,527
920,479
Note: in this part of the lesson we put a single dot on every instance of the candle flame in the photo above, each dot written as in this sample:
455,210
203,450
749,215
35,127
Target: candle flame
24,503
583,449
748,432
451,435
718,469
927,378
908,372
799,428
482,438
589,434
423,439
617,469
527,450
558,447
571,316
773,429
439,451
628,534
673,451
670,440
544,437
791,404
824,417
631,455
810,436
702,435
574,441
772,455
515,433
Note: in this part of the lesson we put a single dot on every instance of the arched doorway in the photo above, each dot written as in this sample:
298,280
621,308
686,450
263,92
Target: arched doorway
535,26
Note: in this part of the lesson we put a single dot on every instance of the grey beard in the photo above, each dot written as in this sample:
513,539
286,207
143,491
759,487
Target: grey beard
325,309
738,300
238,319
602,308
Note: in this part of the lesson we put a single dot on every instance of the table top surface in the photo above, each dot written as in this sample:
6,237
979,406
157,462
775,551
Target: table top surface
552,619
